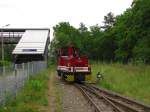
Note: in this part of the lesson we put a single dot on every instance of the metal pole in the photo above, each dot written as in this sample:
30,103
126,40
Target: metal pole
3,47
23,73
28,70
3,52
1,43
16,80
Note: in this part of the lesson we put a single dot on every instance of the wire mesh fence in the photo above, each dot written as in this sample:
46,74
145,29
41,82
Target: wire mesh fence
12,78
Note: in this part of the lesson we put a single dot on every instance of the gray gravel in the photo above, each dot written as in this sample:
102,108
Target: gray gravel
73,100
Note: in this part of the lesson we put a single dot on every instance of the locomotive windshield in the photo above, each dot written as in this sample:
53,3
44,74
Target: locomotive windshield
69,51
65,52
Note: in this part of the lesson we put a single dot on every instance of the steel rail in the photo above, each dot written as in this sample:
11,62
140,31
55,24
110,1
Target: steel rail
105,98
117,103
88,98
84,90
132,105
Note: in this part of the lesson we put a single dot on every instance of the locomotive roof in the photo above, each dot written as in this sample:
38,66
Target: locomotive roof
66,47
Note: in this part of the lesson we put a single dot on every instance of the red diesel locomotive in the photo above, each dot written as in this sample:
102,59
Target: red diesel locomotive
71,66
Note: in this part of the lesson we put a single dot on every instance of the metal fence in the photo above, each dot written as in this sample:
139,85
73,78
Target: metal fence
13,77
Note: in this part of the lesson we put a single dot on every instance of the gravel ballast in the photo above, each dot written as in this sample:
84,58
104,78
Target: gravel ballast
73,100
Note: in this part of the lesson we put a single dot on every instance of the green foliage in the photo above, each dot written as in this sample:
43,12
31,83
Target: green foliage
66,35
109,21
8,48
5,63
31,97
122,38
35,85
129,80
132,32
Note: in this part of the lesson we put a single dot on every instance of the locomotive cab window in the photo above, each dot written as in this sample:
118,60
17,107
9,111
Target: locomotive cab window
74,52
65,52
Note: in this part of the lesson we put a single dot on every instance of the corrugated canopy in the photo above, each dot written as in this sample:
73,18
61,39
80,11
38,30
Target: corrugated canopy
32,42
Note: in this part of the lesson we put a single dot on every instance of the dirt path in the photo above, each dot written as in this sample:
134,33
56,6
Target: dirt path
50,95
54,93
64,97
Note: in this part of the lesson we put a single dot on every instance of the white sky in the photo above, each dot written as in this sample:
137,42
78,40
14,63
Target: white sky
47,13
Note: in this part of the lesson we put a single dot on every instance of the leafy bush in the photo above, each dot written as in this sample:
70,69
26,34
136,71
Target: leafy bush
35,85
5,63
31,97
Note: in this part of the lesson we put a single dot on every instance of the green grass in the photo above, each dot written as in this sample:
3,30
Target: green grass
129,80
32,97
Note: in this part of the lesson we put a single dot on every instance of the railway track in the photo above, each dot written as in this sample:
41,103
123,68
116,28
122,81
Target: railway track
105,101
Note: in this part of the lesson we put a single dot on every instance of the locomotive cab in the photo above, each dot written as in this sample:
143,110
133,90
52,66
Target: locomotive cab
71,66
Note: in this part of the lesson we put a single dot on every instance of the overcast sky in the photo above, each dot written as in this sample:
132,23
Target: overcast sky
47,13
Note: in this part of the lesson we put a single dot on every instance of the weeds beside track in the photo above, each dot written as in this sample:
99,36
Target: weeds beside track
129,80
32,97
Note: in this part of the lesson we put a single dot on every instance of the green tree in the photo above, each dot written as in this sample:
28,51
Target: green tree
65,35
123,38
109,21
